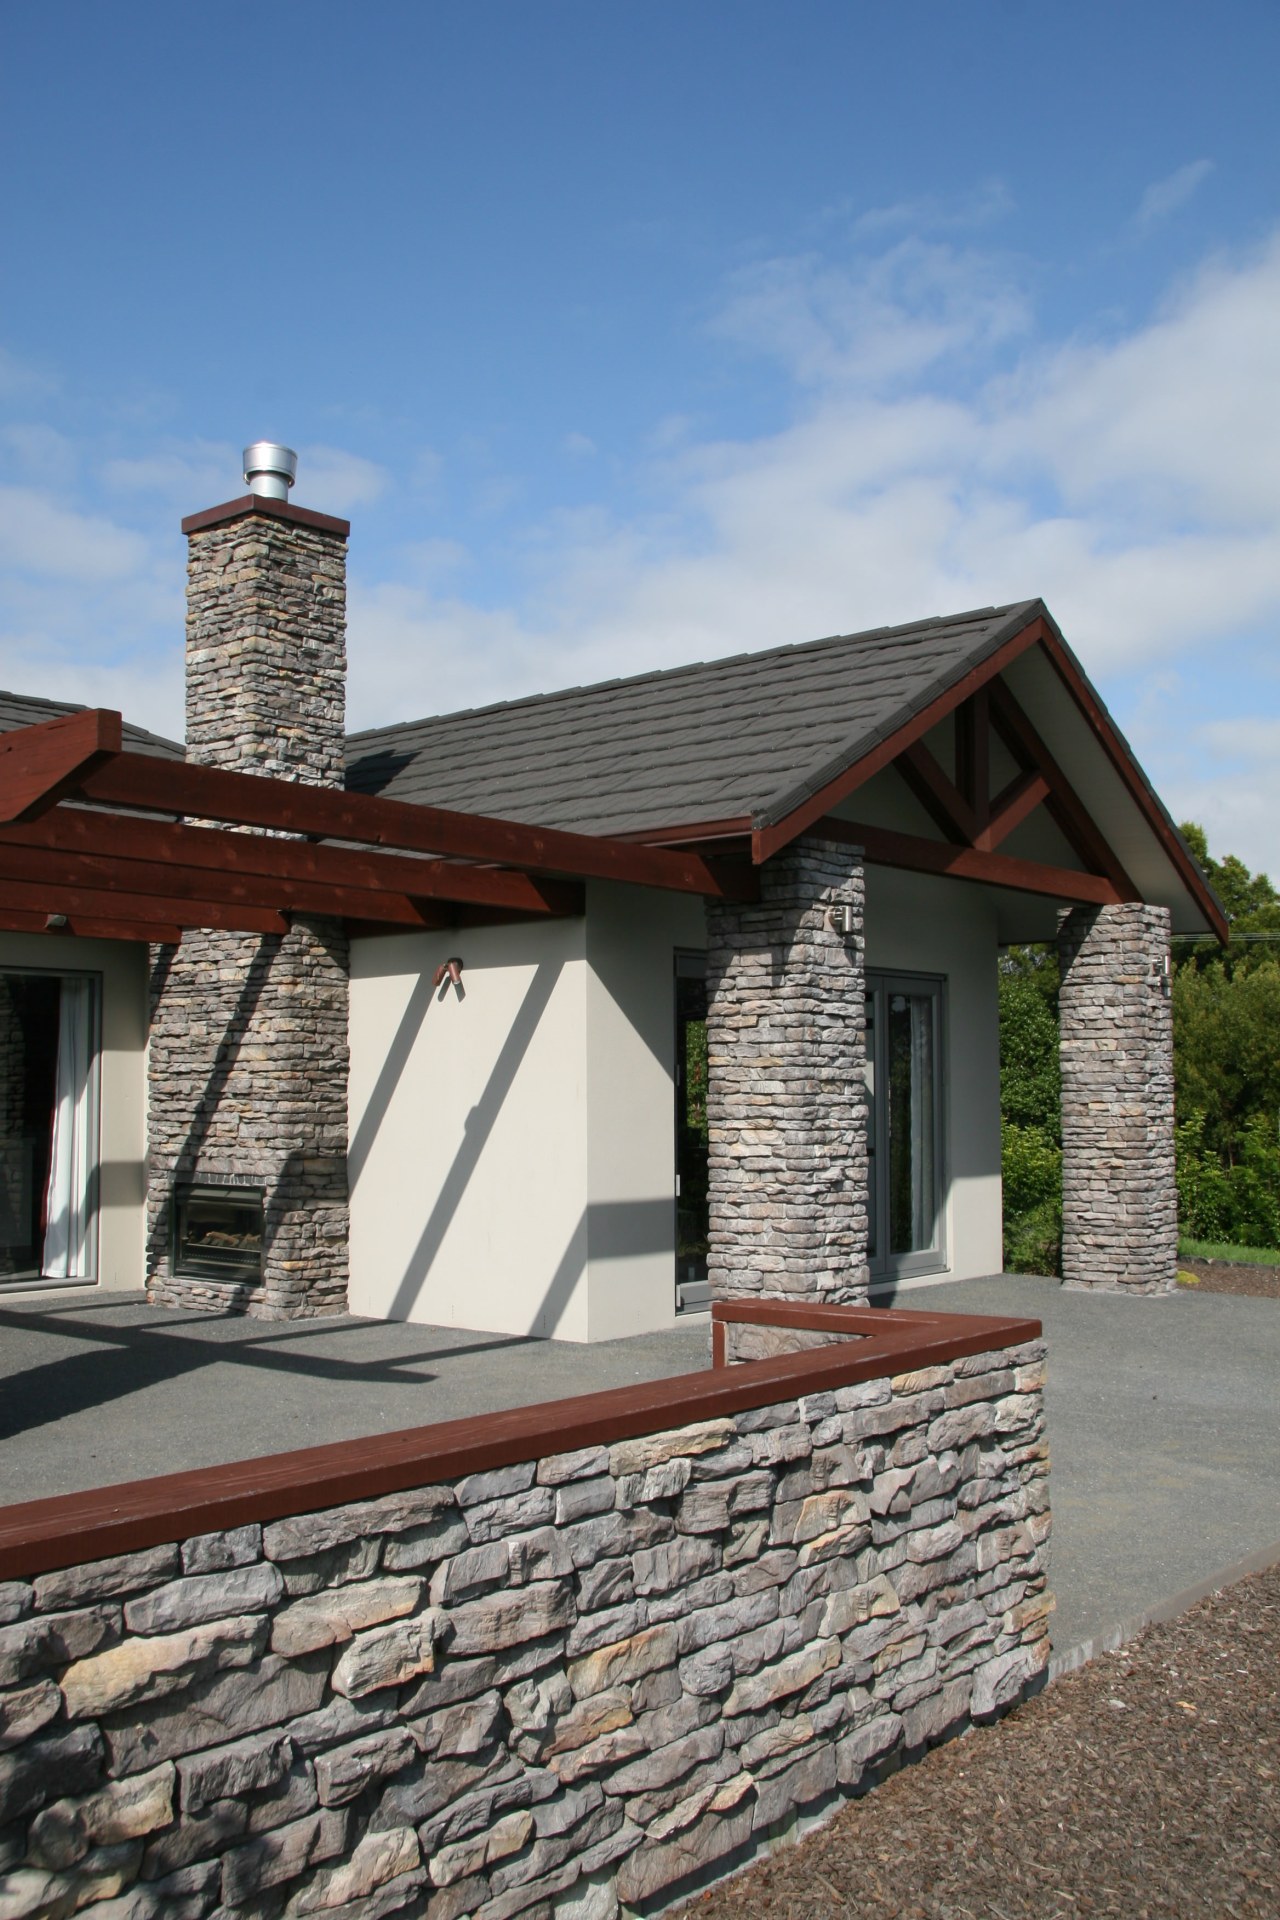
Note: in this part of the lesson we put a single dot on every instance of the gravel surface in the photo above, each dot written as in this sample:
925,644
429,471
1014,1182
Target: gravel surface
1234,1276
1144,1785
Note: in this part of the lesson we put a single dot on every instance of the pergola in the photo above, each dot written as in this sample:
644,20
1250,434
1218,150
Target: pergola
99,841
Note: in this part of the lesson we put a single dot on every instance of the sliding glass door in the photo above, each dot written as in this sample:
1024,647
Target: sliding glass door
48,1126
904,1084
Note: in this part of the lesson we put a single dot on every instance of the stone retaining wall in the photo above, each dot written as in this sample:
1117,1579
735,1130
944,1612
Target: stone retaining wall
567,1685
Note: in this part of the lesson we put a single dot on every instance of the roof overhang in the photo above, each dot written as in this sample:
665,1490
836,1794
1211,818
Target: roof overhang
1071,760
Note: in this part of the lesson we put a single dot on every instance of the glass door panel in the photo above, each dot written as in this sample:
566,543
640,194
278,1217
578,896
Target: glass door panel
904,1075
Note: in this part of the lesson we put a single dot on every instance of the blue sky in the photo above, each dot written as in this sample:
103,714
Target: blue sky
633,334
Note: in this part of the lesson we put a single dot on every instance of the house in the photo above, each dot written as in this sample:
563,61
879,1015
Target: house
565,1015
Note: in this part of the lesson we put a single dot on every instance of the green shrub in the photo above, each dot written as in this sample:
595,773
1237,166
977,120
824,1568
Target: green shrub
1031,1166
1239,1203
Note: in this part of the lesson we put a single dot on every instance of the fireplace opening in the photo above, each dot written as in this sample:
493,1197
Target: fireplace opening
217,1231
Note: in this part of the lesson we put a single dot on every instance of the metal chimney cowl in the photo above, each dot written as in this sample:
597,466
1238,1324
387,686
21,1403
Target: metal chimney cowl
270,470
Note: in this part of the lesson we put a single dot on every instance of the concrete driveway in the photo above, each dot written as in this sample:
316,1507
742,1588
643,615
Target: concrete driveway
1164,1415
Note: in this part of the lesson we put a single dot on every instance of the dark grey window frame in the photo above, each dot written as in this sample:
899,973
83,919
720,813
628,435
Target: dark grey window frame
887,1267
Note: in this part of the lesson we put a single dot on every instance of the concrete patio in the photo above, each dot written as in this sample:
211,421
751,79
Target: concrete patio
1162,1413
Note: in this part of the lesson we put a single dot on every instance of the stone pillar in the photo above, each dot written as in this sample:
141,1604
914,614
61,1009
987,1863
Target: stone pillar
1119,1199
787,1097
248,1050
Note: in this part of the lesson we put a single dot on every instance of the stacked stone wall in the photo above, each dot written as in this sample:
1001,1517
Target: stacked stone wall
247,1069
787,1102
575,1685
1119,1195
266,648
248,1055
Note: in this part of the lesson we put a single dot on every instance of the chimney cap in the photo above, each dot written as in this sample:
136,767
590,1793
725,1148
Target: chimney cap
270,470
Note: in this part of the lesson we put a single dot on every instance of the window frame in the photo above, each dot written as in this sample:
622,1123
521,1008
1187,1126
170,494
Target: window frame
93,1127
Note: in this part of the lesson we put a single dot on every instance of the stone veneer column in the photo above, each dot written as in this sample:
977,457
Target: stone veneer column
1119,1199
248,1050
787,1098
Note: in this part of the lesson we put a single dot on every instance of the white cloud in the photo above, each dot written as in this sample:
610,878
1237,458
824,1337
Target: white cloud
342,481
1164,197
185,474
39,535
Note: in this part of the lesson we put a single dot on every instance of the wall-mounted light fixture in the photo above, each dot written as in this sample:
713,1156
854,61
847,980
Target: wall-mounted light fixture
841,917
448,971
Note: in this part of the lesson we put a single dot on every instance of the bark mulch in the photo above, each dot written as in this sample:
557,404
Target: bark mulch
1144,1785
1234,1276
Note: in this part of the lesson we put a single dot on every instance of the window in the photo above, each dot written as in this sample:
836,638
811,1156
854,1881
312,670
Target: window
48,1126
904,1085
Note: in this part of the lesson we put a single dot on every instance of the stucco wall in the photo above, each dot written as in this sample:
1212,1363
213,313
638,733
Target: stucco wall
122,968
918,924
512,1150
468,1160
632,936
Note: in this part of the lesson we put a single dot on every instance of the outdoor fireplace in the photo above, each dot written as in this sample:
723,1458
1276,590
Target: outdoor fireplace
217,1231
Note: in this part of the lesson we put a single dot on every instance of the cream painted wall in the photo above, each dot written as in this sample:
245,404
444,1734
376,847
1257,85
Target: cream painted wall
632,936
919,924
468,1120
121,966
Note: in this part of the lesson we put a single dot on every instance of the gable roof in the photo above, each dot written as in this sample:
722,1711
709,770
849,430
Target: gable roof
745,738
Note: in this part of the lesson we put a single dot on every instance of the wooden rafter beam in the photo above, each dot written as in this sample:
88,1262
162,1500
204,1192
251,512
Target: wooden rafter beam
1024,793
86,927
285,873
39,764
244,799
941,799
187,891
885,847
973,754
1062,802
50,895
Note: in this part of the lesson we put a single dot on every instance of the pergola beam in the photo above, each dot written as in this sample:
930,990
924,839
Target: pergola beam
288,873
86,927
136,780
49,895
39,764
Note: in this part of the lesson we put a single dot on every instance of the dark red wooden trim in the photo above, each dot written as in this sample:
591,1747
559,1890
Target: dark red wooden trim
246,799
36,920
973,754
1122,760
252,503
49,895
885,847
941,799
765,841
1010,808
1022,739
39,764
139,854
39,1535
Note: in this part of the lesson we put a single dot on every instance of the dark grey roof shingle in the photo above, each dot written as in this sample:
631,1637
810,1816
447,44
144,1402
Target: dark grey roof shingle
751,735
21,710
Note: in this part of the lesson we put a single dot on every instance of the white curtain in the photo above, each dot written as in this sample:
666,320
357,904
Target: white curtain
66,1238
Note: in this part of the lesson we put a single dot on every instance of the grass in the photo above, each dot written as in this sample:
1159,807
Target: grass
1219,1250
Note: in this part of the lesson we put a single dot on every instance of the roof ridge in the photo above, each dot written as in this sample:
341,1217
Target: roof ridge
690,667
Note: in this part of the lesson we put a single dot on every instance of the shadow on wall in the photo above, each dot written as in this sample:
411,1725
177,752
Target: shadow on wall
477,1128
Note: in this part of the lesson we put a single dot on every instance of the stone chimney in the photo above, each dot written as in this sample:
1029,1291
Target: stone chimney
248,1049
